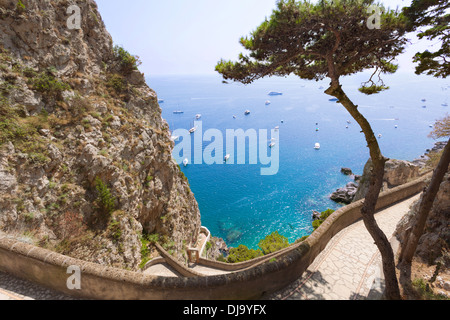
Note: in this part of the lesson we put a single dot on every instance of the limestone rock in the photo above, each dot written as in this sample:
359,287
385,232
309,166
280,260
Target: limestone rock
86,132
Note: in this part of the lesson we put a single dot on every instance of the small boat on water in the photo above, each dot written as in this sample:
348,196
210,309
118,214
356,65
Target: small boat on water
160,101
227,157
198,116
317,146
277,128
174,138
274,93
247,112
234,117
268,102
178,112
380,136
445,104
424,100
273,144
185,162
192,130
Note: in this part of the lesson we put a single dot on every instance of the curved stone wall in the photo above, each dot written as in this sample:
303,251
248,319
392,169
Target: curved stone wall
250,280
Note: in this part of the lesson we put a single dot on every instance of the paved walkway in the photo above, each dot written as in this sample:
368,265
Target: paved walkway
350,266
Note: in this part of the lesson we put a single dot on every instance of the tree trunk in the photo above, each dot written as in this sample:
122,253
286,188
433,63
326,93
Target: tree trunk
410,246
376,183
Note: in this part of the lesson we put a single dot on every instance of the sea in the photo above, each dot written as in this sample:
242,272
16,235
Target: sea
239,204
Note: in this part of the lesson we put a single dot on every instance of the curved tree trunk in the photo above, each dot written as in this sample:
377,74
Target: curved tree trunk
410,246
376,183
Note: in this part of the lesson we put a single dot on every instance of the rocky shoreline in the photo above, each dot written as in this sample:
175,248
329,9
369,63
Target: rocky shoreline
397,172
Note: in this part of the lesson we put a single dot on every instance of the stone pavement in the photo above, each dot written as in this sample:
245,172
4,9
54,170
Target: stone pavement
350,266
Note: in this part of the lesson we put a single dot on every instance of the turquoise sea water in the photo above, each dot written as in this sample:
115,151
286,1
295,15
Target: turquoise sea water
240,205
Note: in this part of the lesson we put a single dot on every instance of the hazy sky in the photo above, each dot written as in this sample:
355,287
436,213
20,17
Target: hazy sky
190,37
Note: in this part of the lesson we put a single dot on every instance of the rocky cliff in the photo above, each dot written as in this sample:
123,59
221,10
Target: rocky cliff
85,157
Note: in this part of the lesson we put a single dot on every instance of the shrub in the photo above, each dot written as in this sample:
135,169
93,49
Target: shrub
20,7
128,62
273,242
323,216
243,253
46,83
105,201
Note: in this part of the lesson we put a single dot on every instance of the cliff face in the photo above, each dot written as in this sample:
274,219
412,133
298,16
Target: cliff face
85,157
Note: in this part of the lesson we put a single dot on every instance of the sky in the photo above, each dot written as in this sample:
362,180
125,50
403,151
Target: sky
190,37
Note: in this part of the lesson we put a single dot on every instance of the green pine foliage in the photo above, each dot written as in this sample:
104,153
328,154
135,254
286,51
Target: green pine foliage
243,253
106,203
273,243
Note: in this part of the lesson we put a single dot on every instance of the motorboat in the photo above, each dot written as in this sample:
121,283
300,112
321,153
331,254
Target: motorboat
174,138
198,116
380,136
268,102
192,130
445,104
178,112
277,128
247,112
317,146
273,144
185,162
160,101
234,117
274,93
227,157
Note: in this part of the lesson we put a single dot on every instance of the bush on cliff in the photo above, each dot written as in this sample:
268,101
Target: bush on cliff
273,243
243,253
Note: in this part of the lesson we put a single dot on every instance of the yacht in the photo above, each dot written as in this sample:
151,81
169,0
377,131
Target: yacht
227,157
272,145
192,130
317,146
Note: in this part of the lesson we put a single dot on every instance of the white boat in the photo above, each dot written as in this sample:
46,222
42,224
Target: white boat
317,146
247,112
445,104
380,135
198,116
277,128
274,93
185,162
192,130
268,102
273,144
227,157
174,138
160,101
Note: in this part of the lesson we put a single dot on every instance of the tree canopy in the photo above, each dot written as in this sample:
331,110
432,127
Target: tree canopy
314,41
435,15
